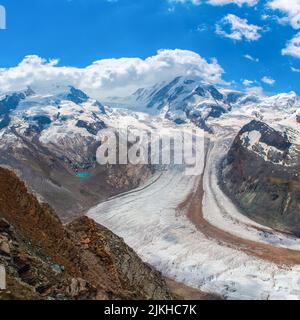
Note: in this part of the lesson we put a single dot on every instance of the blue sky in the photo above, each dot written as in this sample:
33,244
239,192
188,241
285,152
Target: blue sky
78,32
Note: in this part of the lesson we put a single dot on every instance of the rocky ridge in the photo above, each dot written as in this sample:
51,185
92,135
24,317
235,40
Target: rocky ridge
82,260
261,174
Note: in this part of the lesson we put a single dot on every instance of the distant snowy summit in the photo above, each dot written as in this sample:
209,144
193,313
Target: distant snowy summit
67,111
191,100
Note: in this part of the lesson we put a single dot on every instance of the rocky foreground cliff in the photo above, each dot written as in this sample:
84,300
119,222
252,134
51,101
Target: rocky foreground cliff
83,260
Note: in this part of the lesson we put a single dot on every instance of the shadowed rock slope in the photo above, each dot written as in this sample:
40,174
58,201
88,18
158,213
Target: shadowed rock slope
261,175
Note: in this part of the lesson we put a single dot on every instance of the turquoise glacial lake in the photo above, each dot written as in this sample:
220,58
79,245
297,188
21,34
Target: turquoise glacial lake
83,174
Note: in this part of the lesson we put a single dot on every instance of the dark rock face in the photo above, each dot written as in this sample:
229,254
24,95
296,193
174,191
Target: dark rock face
215,93
77,96
39,124
42,120
196,118
92,128
83,260
233,97
266,191
5,121
10,102
269,136
100,106
200,91
216,112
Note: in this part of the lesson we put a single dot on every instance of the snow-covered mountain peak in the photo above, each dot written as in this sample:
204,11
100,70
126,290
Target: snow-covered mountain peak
184,99
189,99
283,100
67,112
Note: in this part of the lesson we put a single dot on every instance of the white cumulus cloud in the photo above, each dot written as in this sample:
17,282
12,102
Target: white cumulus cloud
247,82
109,77
290,8
239,28
293,47
268,80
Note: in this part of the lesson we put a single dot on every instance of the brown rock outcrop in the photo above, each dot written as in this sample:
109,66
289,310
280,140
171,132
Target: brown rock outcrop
82,260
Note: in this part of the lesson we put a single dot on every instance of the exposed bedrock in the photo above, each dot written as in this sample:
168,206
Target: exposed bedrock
261,175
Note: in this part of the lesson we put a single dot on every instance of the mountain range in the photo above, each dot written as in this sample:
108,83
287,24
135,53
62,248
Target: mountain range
49,140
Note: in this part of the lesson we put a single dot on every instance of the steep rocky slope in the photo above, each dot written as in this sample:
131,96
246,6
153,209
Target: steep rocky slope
261,175
45,260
